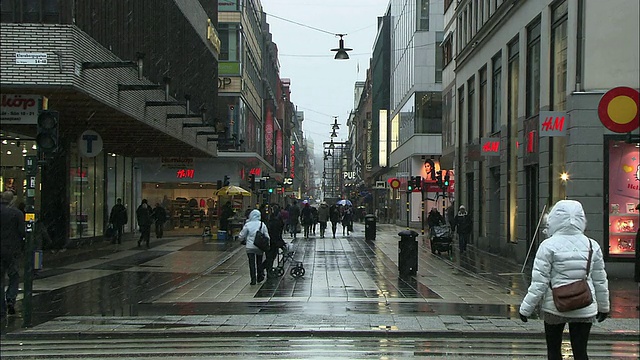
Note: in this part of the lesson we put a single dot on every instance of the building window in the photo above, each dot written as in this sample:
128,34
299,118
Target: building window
471,89
229,42
439,56
447,3
429,112
496,93
423,14
482,102
559,57
512,130
447,51
533,69
30,11
460,112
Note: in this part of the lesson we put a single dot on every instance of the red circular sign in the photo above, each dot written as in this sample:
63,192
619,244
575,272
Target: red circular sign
619,109
394,183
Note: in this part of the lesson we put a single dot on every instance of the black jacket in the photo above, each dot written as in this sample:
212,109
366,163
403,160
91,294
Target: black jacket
144,216
118,216
463,224
11,231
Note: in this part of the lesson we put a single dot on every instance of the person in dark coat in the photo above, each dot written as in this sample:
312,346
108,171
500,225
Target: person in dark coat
159,215
434,219
307,217
118,218
463,225
323,217
314,219
335,217
143,214
294,218
11,244
347,220
226,213
276,228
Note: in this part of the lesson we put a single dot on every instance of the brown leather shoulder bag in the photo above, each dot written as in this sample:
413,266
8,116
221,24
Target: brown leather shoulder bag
576,295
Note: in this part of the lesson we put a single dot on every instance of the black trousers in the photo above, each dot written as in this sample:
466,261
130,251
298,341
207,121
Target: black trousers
323,227
270,256
255,267
578,334
334,227
159,229
145,234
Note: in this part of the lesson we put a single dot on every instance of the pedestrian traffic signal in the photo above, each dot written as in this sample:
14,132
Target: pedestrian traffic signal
47,137
446,180
410,184
226,180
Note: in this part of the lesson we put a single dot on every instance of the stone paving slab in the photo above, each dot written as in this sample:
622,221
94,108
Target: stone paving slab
301,325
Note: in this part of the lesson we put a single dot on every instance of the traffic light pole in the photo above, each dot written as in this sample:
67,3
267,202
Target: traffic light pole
31,167
422,205
408,208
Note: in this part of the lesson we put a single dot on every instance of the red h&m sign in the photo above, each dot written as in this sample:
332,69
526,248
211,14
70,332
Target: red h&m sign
553,123
490,147
185,173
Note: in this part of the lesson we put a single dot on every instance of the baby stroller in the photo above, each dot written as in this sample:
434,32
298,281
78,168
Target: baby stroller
441,239
285,253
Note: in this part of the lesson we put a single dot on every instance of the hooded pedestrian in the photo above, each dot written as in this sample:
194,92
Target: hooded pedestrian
143,215
159,215
323,217
118,218
248,235
560,260
463,224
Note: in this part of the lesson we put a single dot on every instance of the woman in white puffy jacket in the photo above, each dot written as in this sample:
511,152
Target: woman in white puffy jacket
248,234
562,259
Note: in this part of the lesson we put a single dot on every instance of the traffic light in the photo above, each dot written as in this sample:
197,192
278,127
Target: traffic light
439,178
446,180
263,184
270,190
47,137
226,181
252,181
410,184
417,182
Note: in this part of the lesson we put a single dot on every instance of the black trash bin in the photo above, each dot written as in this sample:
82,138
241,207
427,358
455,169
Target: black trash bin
407,253
369,227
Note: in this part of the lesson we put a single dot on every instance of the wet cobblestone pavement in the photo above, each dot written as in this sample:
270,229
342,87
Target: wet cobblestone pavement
183,285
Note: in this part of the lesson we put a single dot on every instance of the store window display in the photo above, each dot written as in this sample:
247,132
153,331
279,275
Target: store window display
624,183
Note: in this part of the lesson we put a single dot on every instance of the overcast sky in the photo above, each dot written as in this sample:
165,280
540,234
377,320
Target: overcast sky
321,86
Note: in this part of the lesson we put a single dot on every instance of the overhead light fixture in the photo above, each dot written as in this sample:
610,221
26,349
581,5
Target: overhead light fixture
341,51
